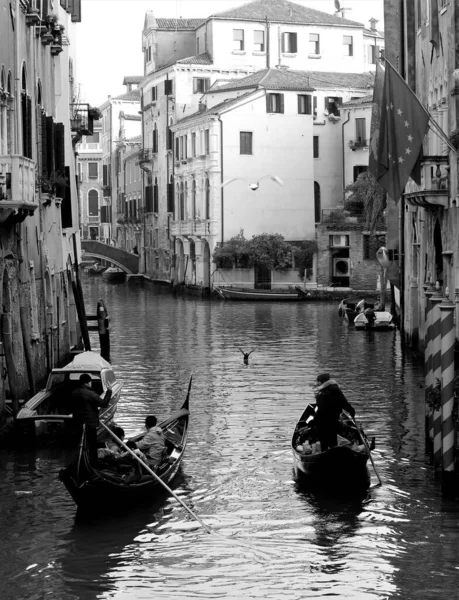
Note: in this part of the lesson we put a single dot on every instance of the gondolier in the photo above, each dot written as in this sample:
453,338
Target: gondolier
86,403
330,402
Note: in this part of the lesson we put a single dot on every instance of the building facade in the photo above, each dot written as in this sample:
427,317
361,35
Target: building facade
39,220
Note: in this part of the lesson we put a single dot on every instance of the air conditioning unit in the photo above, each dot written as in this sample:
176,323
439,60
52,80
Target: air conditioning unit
341,267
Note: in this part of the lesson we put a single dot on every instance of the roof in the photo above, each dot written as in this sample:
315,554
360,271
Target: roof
178,24
297,80
215,110
132,79
359,101
373,33
132,96
282,11
132,117
199,59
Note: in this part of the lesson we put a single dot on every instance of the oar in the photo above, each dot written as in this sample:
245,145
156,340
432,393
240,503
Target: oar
362,437
147,468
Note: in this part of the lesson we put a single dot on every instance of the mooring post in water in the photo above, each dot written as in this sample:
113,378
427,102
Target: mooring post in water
9,358
103,321
436,372
429,431
448,337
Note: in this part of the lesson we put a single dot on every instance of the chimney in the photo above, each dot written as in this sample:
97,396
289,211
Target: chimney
373,22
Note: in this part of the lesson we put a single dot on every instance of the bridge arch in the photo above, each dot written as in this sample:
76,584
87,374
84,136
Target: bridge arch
127,261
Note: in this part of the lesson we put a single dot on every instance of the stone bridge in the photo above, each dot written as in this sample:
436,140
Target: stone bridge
123,259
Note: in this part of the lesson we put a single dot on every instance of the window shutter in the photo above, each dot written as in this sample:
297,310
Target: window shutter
308,105
76,11
155,198
268,103
50,145
293,44
283,42
66,206
281,103
195,85
168,87
29,127
170,197
44,150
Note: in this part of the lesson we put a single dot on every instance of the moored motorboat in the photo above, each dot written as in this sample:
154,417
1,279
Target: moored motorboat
240,293
49,412
114,275
348,307
106,487
383,321
342,465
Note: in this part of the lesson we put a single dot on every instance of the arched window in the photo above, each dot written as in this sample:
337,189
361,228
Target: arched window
39,97
185,202
2,80
207,192
317,208
155,138
182,203
193,199
93,203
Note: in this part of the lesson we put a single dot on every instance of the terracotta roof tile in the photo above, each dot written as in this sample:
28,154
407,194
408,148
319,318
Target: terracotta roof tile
133,96
132,79
282,11
179,24
359,101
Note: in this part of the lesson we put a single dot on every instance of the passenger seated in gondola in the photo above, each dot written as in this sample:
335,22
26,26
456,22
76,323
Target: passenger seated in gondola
153,443
330,402
112,450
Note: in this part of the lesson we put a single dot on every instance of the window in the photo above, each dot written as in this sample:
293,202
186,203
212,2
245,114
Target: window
206,142
358,169
177,148
207,192
259,40
193,199
348,45
245,141
200,85
93,139
317,206
371,244
360,131
149,54
155,196
372,54
314,46
314,106
275,103
93,203
93,170
289,43
154,94
304,104
168,87
315,146
193,145
332,104
238,39
155,139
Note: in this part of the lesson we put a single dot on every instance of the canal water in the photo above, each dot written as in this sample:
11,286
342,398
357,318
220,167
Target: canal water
271,538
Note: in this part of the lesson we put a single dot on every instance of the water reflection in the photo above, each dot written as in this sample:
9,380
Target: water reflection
271,537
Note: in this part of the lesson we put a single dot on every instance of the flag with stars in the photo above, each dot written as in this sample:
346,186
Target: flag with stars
404,123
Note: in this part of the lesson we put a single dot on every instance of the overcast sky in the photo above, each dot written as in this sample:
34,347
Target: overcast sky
109,38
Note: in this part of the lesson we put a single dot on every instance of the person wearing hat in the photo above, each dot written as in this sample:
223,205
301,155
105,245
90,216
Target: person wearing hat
85,404
330,401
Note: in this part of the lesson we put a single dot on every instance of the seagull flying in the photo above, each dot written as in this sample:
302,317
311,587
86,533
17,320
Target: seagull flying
255,184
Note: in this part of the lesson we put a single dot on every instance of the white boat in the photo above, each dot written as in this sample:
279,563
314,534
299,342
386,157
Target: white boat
383,321
114,275
49,412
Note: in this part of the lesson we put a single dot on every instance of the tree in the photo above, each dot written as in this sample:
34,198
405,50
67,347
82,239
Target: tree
269,250
233,252
304,255
366,193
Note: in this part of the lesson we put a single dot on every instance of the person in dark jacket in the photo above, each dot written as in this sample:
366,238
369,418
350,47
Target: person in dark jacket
330,401
85,404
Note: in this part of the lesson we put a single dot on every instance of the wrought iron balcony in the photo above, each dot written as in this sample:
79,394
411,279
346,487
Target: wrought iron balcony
434,187
356,144
82,117
17,188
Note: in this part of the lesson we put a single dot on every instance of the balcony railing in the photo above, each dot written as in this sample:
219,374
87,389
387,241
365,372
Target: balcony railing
356,144
192,227
17,186
434,187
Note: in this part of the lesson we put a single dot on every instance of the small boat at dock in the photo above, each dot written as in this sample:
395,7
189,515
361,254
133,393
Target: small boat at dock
240,293
339,466
114,275
49,412
105,488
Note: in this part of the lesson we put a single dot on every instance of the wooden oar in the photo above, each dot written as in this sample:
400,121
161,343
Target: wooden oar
147,468
364,441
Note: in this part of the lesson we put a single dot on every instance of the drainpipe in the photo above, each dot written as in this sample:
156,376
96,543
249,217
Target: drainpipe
267,44
342,142
221,181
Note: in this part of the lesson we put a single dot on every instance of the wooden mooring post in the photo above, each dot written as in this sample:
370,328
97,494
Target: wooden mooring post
103,327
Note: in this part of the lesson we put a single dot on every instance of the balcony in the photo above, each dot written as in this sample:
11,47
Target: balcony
197,227
17,188
434,188
358,144
145,159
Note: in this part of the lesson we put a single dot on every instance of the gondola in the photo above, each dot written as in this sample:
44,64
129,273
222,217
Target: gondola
341,467
259,295
104,488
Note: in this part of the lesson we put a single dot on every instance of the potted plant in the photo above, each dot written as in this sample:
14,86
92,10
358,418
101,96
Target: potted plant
48,183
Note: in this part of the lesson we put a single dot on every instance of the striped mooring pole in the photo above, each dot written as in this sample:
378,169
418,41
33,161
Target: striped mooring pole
448,337
436,373
428,369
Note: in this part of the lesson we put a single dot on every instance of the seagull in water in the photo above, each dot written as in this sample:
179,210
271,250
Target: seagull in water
246,355
254,185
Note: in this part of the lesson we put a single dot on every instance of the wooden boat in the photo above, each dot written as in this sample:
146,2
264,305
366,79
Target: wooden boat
383,321
104,488
239,293
114,275
95,269
337,467
49,412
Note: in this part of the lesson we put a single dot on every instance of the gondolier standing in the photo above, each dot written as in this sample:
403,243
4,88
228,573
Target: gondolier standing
85,405
330,402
